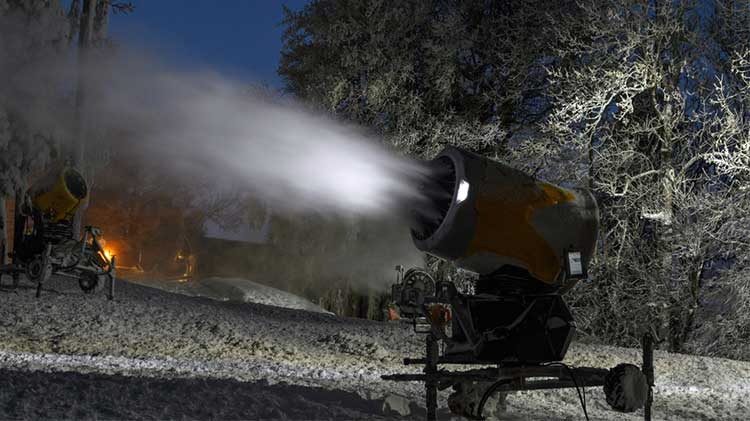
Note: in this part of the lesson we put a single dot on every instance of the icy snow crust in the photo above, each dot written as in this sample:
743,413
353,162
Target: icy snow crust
155,354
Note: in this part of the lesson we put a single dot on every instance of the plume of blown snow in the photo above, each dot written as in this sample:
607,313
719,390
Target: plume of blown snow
212,130
206,126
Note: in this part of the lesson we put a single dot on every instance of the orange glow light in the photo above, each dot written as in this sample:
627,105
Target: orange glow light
108,254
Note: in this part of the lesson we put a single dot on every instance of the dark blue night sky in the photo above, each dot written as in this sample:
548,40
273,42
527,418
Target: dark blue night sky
241,38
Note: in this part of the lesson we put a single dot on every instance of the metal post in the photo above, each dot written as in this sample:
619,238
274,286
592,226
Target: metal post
3,231
19,225
46,270
431,383
112,274
648,371
111,294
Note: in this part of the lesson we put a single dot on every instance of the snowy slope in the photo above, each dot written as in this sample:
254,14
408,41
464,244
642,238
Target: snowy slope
235,289
214,353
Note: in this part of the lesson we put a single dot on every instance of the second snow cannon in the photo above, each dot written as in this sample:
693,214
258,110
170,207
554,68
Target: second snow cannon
59,194
44,240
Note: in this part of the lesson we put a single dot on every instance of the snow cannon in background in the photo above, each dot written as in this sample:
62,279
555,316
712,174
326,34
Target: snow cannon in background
529,242
44,242
58,195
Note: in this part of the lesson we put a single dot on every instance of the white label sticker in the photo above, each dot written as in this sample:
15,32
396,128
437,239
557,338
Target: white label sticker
575,264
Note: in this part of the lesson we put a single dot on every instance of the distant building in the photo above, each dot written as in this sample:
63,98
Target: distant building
241,251
244,233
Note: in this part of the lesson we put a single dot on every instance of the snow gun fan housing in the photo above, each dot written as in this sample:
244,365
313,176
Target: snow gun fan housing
528,240
489,218
59,194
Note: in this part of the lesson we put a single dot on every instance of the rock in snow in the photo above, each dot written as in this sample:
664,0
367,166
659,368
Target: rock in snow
158,355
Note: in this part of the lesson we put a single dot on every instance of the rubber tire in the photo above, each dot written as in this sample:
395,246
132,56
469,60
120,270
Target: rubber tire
34,269
88,282
626,388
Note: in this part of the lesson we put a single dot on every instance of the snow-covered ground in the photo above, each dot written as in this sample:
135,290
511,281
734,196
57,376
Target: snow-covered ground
155,354
235,289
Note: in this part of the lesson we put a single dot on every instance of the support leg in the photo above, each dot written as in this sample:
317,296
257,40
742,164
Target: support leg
648,371
46,270
431,385
112,274
111,293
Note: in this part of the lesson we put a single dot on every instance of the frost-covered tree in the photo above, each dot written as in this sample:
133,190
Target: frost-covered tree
37,125
30,32
641,109
424,74
643,102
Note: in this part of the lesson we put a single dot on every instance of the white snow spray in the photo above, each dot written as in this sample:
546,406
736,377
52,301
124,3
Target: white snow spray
209,130
209,127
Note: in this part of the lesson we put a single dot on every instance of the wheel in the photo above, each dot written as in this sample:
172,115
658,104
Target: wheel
417,283
34,269
409,297
626,388
88,282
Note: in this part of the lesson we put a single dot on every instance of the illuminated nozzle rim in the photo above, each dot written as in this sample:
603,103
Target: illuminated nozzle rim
447,217
463,191
439,193
75,183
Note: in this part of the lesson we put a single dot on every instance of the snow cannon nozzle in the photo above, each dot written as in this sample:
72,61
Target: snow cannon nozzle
485,216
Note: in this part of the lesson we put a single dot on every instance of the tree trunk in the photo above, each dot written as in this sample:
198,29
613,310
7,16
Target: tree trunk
74,16
101,20
86,28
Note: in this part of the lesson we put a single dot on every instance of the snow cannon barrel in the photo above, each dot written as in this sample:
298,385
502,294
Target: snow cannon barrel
58,194
488,217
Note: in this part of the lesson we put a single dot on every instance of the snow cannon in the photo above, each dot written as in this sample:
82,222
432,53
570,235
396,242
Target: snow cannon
529,241
45,241
59,194
492,219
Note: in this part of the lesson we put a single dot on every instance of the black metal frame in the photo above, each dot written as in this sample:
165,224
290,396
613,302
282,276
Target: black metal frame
49,266
519,378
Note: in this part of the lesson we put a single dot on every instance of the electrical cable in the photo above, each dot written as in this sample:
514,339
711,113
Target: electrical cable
489,393
581,397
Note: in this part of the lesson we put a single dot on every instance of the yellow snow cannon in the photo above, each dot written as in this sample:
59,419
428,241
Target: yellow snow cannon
529,241
59,194
492,219
45,241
